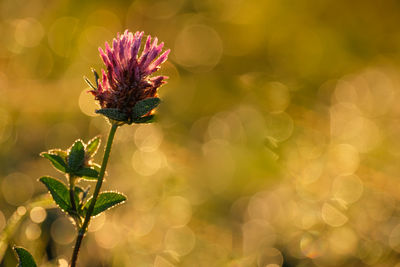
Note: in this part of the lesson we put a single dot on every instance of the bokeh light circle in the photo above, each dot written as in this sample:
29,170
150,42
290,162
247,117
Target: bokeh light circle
38,214
28,32
176,211
17,188
180,240
62,231
198,47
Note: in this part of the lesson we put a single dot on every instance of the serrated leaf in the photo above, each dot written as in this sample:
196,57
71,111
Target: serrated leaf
57,161
25,259
112,113
87,173
144,106
89,83
96,77
76,155
105,201
92,146
147,119
58,191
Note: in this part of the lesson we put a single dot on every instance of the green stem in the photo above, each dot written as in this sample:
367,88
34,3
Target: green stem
74,213
71,192
86,222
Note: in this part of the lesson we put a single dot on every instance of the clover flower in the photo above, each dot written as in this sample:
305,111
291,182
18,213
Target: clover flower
127,93
127,80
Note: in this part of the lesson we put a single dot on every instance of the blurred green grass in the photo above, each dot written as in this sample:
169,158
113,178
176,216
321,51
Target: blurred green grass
276,145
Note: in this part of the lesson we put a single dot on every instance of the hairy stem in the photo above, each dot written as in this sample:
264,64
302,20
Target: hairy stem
86,222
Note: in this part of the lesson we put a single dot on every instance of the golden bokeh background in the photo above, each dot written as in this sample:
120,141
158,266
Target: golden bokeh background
277,141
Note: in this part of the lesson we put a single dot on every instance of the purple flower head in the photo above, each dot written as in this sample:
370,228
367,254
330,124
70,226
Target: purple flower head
127,79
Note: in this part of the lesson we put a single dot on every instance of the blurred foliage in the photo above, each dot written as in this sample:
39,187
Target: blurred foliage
277,141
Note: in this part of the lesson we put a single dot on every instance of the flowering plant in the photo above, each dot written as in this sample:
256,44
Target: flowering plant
126,94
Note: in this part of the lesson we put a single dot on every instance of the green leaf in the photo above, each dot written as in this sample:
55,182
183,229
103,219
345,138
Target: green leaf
87,173
105,201
112,113
76,155
147,119
57,161
89,83
25,259
95,166
60,153
96,77
143,107
92,146
58,191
